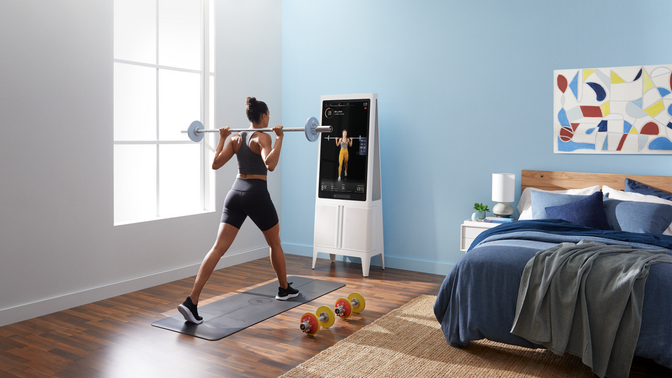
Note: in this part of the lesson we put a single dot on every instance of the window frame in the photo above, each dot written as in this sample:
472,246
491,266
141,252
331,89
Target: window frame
207,94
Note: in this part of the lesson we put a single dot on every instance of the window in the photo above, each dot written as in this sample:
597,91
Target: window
163,80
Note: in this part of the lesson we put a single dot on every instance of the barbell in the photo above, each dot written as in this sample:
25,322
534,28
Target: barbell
312,129
338,137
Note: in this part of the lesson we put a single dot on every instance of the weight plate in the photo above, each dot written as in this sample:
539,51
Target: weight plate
191,132
331,317
310,129
312,320
362,303
347,307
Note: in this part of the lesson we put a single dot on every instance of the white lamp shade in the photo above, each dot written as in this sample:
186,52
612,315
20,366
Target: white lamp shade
503,187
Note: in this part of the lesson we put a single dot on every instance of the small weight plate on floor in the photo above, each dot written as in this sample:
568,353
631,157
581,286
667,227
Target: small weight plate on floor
330,315
347,307
362,302
312,321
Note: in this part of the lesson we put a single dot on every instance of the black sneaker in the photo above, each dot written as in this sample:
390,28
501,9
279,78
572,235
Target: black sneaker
190,311
285,294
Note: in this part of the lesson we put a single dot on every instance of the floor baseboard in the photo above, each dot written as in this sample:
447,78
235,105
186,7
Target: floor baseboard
66,301
421,266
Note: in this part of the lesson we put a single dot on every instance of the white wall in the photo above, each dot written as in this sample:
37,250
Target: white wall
58,245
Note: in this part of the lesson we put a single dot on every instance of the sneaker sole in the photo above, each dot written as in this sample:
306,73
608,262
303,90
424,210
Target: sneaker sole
287,297
188,316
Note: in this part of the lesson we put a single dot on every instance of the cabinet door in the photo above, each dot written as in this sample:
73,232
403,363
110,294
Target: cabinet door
327,226
357,230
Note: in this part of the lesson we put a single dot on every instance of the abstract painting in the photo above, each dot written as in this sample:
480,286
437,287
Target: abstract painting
621,110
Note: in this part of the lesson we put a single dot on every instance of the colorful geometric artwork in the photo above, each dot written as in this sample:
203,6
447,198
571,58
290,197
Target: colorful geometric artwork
621,110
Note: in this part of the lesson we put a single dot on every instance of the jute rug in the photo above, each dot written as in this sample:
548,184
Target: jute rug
408,342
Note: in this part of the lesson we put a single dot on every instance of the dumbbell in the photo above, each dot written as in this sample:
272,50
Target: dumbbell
323,316
344,307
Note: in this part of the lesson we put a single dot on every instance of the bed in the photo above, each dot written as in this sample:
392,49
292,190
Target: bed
478,299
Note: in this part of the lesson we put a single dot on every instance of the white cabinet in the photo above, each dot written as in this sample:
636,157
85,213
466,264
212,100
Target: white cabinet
344,227
469,230
358,230
328,234
349,230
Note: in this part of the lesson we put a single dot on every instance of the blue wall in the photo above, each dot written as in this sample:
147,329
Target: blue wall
465,90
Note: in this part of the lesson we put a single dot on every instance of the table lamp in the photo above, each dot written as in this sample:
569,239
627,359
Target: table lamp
503,186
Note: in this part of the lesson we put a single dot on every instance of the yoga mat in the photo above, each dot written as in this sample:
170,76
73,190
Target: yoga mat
232,314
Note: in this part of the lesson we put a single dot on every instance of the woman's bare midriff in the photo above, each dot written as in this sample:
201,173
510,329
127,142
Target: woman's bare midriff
251,177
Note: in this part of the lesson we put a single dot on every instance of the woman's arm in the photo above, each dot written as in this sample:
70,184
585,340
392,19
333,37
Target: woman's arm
224,151
271,155
349,142
338,141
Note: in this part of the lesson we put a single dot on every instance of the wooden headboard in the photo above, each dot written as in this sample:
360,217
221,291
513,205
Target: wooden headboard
550,180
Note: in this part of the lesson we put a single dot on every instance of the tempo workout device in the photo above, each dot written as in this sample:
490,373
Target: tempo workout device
312,130
349,198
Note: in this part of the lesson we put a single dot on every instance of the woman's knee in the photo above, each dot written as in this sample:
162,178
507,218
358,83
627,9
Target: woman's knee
272,236
275,246
274,243
218,250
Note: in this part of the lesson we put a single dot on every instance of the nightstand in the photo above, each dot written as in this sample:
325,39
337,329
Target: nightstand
470,229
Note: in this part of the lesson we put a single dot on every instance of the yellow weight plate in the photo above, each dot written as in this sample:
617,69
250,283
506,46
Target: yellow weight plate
362,303
331,317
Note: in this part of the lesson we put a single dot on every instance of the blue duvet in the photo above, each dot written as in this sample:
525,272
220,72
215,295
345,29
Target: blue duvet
478,298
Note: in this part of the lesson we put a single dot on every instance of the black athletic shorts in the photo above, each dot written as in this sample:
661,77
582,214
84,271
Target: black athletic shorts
249,197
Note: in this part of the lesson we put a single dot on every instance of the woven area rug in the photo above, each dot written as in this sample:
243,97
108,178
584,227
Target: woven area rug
408,342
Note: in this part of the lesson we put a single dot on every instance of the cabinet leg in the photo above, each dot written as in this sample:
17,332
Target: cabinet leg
332,257
366,264
382,260
314,259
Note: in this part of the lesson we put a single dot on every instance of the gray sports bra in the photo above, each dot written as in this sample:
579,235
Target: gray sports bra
249,163
344,144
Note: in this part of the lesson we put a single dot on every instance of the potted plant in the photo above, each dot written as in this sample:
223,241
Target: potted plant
481,209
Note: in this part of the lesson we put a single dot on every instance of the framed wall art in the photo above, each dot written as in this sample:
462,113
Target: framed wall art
621,110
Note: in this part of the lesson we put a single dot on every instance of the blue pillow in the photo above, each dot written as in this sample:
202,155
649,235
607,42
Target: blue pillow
586,212
642,217
542,200
633,186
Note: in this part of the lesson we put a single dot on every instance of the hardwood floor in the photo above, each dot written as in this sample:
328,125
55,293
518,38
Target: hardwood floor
114,337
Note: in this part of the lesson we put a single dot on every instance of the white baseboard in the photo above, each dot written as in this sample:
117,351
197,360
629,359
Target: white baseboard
432,267
66,301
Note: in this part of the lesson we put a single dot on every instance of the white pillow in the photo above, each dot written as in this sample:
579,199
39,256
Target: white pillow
636,197
525,202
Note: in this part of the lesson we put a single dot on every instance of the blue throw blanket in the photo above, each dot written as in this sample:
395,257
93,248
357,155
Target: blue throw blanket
478,298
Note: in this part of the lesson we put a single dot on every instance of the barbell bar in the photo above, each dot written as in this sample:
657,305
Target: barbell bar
338,137
312,130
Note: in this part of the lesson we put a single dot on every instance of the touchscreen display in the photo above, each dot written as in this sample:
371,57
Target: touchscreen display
343,157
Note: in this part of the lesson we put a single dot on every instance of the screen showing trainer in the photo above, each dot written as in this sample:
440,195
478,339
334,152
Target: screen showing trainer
343,158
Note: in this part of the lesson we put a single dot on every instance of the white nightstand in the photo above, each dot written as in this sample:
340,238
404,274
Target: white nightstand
470,229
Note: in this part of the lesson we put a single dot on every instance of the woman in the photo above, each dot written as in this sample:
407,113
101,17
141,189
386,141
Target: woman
344,142
248,197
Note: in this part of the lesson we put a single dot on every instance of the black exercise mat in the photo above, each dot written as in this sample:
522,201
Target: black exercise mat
232,314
